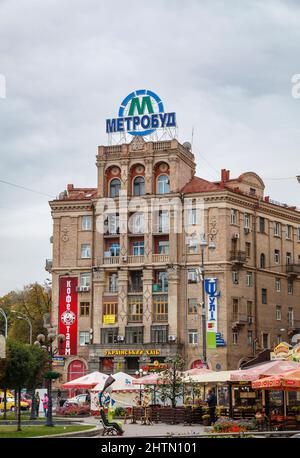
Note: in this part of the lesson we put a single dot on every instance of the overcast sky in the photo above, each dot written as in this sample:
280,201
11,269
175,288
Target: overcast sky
224,67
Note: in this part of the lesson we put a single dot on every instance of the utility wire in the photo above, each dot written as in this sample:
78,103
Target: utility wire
26,189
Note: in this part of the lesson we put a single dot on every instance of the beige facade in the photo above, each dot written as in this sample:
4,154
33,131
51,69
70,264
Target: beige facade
140,284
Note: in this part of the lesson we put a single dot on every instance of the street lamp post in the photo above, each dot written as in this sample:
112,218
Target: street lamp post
22,316
140,373
51,352
5,319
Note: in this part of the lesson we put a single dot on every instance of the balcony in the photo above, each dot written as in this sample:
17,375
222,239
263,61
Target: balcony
135,289
239,319
83,289
135,259
49,265
160,258
157,288
111,260
293,270
238,257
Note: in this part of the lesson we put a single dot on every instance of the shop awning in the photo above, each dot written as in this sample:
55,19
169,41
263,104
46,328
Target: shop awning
289,380
196,371
210,377
152,379
265,369
86,381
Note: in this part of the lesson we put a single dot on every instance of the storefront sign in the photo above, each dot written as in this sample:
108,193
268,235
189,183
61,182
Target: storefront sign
68,314
109,319
286,352
132,352
212,322
141,113
155,366
58,361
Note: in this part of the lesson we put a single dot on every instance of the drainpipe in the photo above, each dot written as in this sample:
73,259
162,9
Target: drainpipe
255,281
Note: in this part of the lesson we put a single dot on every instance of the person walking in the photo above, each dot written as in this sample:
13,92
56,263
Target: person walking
45,401
37,403
212,402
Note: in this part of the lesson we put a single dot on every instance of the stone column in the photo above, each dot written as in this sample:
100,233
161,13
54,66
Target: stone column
173,280
101,178
122,303
174,179
147,303
149,175
98,289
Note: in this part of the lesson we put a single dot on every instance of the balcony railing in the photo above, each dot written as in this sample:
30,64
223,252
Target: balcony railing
135,259
136,289
134,318
237,256
111,290
239,319
48,265
163,258
160,317
293,269
111,260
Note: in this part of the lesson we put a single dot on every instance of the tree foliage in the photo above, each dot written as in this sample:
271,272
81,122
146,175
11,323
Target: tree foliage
172,386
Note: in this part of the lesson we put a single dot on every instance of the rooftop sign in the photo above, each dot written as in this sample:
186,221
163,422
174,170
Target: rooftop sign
141,113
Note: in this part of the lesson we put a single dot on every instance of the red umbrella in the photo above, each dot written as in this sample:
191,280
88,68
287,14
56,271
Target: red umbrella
289,381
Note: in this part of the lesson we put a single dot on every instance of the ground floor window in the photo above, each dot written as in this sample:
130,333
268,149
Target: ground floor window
132,364
106,365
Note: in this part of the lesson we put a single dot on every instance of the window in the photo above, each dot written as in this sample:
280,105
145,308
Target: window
135,284
298,234
163,221
136,223
160,307
250,337
113,282
248,249
277,229
249,308
193,336
138,248
135,308
139,186
192,276
84,308
114,187
262,225
234,337
277,256
233,216
134,335
277,285
264,295
249,279
192,245
109,335
288,258
192,217
290,286
85,279
163,184
84,338
85,251
110,308
161,278
265,340
235,277
290,316
86,223
289,232
262,261
114,249
252,191
111,224
246,221
235,309
278,312
159,334
192,306
163,247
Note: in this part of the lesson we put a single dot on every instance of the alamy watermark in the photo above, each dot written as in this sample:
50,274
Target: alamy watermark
295,80
2,87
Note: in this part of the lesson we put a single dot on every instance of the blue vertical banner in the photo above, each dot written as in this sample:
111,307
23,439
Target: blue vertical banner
210,285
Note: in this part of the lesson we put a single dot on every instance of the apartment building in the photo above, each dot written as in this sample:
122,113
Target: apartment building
127,255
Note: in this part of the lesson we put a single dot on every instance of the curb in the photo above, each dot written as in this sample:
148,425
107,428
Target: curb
87,433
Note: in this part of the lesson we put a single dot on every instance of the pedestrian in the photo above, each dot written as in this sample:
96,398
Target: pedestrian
45,401
58,398
37,403
212,402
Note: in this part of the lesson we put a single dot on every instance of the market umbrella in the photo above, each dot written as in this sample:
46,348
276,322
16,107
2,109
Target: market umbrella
123,382
152,379
197,371
86,381
288,381
265,369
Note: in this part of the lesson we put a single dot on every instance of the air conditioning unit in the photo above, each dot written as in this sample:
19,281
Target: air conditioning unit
120,338
172,338
236,236
247,230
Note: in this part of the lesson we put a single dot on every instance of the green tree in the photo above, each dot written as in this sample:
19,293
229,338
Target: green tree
39,364
172,386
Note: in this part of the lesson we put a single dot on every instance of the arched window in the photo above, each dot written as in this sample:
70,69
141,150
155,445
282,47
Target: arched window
163,184
139,186
114,187
262,261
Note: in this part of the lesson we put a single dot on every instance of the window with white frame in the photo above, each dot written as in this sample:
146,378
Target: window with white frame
84,338
193,336
277,284
250,337
163,184
85,251
277,256
138,248
290,316
288,258
246,221
233,216
192,217
235,277
234,337
290,286
276,228
192,306
278,312
192,276
289,232
85,279
86,223
249,279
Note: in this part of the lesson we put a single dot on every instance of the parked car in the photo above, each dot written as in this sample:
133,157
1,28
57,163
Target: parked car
26,398
78,400
10,404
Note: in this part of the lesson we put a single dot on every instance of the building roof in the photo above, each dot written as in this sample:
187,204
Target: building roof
200,185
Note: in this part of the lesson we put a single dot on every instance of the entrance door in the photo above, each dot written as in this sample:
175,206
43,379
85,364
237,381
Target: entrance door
76,369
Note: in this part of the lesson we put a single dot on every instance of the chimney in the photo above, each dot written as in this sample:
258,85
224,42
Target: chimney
70,187
225,175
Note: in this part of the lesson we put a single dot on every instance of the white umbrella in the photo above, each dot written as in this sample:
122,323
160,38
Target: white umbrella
87,381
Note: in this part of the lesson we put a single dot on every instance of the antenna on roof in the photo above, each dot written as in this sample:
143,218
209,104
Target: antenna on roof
192,137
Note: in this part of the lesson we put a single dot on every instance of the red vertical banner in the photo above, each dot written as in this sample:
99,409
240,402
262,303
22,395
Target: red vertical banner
68,314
